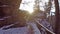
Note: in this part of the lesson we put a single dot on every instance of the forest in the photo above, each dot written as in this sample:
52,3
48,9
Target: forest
34,16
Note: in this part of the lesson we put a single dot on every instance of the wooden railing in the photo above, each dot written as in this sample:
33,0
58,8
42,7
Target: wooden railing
47,30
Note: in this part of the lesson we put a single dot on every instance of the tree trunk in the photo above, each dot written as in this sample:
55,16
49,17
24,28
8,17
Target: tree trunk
57,24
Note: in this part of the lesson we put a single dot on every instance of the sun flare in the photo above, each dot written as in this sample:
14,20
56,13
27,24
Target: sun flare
30,11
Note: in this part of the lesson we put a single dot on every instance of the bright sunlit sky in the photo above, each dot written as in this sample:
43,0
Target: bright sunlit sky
30,4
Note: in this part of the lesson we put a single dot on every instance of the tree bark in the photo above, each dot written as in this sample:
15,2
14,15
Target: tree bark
57,24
